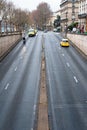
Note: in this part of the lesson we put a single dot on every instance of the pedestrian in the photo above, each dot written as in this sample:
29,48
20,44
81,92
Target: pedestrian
23,36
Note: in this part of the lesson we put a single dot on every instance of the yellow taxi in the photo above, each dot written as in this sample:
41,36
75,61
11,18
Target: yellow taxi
31,32
35,30
65,43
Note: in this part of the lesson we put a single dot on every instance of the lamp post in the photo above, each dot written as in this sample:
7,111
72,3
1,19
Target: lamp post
66,25
66,18
73,18
73,11
0,24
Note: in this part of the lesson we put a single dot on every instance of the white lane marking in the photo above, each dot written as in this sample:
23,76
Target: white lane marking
46,58
68,64
21,57
59,48
63,55
34,113
7,85
75,79
34,107
34,110
15,69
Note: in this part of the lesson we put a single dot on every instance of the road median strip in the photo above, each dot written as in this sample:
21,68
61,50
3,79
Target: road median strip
42,123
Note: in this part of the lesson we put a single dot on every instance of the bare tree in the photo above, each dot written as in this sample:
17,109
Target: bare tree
21,19
8,15
35,18
2,8
18,18
2,4
44,12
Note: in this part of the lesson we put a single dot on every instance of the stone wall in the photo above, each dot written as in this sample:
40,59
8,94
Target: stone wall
7,43
80,41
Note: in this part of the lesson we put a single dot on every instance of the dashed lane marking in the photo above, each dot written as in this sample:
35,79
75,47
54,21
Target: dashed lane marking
34,110
59,48
76,80
7,85
21,57
86,101
68,64
63,55
15,69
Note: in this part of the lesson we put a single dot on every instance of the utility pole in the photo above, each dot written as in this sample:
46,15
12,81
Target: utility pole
0,24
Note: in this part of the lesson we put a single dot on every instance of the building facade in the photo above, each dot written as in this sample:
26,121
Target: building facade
69,12
52,18
82,15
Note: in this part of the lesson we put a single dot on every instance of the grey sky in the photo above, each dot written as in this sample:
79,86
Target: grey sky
32,4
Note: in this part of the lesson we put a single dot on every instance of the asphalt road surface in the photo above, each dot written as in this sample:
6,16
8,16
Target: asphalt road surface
19,85
66,79
66,84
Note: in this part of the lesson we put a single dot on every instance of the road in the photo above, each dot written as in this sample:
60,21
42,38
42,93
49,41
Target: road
66,72
19,85
66,80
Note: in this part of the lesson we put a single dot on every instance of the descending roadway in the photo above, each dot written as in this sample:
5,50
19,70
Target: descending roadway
19,85
66,72
66,80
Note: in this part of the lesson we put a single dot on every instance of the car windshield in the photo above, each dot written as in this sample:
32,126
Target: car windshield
31,30
65,40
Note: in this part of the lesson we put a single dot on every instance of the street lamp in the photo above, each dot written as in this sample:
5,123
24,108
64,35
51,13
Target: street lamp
0,24
66,18
66,25
73,11
73,18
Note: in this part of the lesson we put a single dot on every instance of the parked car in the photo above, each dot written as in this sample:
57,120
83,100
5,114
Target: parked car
31,32
65,43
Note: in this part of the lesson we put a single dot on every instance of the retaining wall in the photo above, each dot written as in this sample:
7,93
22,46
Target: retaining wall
7,43
80,41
